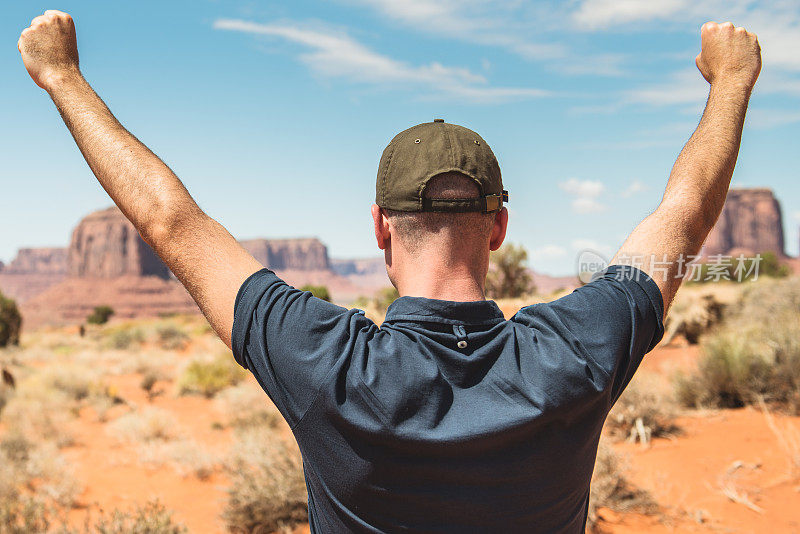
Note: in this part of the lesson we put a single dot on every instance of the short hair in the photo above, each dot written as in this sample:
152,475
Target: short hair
415,229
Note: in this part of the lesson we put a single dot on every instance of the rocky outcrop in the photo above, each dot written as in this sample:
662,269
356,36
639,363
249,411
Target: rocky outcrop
33,271
38,261
307,254
750,223
106,245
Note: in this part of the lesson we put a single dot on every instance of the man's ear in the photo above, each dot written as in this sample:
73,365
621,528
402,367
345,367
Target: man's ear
381,222
499,229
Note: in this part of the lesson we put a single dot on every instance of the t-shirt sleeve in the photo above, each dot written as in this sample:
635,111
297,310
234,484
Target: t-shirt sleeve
614,320
290,340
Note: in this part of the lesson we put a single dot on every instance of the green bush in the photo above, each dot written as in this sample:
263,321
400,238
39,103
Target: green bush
321,292
10,322
508,275
268,491
100,315
208,377
754,355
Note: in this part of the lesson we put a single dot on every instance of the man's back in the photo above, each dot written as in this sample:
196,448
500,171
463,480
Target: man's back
447,417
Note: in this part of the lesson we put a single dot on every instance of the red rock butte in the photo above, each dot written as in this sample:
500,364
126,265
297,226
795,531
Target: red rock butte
108,263
751,222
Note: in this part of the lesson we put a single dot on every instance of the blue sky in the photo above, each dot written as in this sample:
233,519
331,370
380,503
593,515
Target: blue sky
274,114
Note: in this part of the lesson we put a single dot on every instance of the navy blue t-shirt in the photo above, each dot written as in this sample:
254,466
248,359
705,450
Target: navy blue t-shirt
447,417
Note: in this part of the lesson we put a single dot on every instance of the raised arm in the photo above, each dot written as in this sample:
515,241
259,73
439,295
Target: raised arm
203,255
730,60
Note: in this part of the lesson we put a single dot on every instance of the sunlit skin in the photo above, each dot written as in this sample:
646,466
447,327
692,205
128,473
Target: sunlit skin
212,265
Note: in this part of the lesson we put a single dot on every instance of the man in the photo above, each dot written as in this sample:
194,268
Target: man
448,417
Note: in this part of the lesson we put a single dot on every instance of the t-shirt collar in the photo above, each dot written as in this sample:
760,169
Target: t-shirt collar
444,311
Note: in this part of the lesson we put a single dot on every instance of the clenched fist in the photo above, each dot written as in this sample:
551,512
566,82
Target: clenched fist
729,54
49,48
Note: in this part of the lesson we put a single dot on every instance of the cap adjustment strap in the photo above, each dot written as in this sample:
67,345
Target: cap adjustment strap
487,204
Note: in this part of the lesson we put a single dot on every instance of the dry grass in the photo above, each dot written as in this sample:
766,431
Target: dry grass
149,424
788,437
693,314
755,353
152,518
39,415
159,441
268,491
171,337
611,489
643,412
247,405
184,455
34,478
209,376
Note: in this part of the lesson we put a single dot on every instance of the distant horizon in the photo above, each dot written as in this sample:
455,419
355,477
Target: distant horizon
378,255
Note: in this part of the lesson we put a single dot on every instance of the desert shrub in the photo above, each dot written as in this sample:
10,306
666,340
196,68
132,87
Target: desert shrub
39,411
149,424
15,448
611,489
642,413
10,322
152,518
246,405
52,476
377,305
34,478
148,384
508,275
321,292
124,338
76,382
755,354
100,315
184,455
692,315
209,376
24,514
171,337
267,492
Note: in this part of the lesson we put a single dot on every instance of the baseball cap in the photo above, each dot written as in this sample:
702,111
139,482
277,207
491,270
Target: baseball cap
426,150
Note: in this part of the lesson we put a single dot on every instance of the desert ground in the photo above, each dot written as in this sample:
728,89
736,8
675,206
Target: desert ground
149,424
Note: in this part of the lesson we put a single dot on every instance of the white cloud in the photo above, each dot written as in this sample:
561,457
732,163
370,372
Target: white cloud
582,188
682,87
771,118
585,194
548,252
594,14
488,23
506,24
338,55
776,23
635,187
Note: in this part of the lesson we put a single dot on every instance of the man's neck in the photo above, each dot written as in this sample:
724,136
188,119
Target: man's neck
433,281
